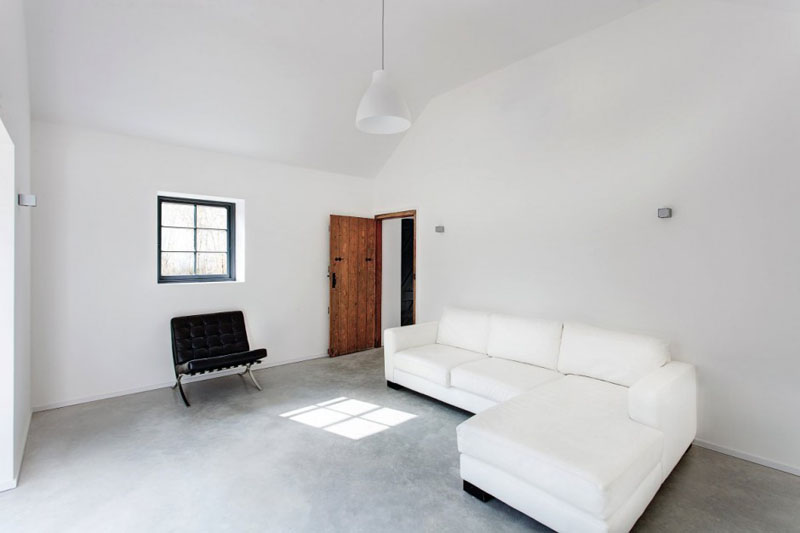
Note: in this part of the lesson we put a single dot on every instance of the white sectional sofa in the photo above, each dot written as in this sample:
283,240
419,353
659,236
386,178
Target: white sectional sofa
576,426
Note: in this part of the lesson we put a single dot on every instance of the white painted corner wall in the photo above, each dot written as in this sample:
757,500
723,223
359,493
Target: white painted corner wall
7,387
103,321
15,362
548,174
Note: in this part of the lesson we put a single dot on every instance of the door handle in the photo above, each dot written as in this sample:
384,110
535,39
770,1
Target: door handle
333,280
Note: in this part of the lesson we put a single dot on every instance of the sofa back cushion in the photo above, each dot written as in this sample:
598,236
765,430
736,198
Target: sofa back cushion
621,358
531,341
464,329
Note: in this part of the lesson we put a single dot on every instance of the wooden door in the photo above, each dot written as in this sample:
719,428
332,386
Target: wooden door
352,285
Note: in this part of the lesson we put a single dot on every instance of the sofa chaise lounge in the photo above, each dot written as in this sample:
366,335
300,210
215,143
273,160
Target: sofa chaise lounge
576,426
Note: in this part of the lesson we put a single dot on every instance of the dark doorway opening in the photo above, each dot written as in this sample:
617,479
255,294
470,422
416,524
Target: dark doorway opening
408,276
407,273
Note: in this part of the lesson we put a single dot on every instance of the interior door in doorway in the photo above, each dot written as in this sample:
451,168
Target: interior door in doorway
352,277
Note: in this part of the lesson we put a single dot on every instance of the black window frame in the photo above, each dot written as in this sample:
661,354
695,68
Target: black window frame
200,278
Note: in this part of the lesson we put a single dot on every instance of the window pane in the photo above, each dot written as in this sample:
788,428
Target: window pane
177,240
177,264
177,215
212,240
212,264
212,217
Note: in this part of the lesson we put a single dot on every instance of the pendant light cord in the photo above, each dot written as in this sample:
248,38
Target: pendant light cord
383,24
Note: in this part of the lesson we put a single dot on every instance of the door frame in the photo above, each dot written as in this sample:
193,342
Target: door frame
409,213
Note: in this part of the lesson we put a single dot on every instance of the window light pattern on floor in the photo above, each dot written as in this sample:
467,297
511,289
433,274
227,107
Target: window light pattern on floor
349,418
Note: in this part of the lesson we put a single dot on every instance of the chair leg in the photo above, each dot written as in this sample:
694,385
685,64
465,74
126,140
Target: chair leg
249,371
180,388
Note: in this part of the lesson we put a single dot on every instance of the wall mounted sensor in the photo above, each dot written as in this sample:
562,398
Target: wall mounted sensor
26,200
439,229
664,212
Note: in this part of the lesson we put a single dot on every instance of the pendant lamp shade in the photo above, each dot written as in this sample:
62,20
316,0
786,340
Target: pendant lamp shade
382,110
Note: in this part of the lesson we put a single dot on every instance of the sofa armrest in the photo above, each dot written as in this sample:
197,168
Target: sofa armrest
398,339
666,399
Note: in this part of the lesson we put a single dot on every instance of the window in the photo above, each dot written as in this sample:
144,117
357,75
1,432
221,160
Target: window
195,240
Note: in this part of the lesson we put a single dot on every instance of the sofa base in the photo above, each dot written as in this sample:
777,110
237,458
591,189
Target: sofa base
555,512
393,385
476,492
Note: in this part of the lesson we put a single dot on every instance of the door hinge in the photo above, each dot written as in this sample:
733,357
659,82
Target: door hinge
329,309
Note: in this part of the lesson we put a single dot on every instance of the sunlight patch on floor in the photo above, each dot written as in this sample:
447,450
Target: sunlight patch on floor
349,418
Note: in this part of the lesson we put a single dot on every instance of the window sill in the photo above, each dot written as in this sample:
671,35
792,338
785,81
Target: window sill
180,283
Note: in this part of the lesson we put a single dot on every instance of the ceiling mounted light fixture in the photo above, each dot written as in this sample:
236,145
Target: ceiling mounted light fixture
382,110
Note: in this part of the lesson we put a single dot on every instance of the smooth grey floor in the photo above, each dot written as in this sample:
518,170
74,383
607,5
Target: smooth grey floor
144,462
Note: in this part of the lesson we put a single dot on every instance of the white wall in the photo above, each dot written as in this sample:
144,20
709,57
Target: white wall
15,115
103,321
547,176
391,273
7,477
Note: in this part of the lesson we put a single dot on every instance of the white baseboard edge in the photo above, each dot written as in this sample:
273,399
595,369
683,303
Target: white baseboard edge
748,457
18,465
163,384
8,485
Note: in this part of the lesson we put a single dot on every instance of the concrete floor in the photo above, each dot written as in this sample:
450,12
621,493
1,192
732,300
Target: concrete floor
229,463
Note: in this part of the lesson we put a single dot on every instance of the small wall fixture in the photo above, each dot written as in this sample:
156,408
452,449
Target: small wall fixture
439,229
26,200
664,212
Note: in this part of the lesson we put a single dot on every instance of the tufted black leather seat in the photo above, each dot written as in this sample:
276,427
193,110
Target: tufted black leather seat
205,343
219,362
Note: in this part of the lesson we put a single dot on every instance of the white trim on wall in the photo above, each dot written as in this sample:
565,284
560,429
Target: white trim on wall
188,379
26,433
8,485
748,457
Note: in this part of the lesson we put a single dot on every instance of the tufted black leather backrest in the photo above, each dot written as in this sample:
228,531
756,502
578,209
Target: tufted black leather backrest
201,336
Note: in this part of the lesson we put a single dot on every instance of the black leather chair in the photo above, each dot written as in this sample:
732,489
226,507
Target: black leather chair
206,343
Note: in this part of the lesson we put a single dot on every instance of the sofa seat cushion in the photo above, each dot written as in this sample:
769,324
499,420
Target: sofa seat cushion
571,438
499,379
433,361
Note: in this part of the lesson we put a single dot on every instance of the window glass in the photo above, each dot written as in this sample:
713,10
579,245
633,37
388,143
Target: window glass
195,240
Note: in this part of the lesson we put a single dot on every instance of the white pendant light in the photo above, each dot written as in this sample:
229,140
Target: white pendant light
382,110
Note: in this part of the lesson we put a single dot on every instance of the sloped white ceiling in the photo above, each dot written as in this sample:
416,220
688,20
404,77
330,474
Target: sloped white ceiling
278,79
